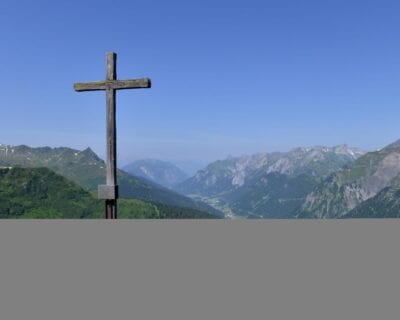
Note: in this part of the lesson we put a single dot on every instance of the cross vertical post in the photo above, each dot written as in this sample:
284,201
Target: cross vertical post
111,179
109,192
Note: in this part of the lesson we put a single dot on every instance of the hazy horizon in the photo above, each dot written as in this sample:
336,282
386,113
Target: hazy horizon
189,165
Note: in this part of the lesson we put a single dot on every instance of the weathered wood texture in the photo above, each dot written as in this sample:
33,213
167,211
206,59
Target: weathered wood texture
110,85
108,192
143,83
111,122
111,74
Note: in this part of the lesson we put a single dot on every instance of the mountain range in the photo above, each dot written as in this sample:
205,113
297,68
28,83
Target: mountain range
343,191
87,170
314,182
266,185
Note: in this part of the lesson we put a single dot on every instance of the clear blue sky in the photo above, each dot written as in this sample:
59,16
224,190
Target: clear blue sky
229,77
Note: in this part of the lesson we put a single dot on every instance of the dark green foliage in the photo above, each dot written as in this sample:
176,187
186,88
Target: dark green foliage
137,209
39,193
150,192
173,212
88,170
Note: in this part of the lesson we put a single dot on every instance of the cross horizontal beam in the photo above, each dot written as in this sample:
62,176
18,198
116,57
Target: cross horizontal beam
113,84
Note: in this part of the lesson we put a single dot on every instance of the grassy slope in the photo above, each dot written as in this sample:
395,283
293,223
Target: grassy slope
41,193
88,170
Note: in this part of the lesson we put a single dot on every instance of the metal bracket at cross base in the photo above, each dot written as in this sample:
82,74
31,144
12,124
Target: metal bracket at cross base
106,192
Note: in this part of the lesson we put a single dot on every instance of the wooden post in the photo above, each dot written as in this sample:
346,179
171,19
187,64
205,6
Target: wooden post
111,74
109,192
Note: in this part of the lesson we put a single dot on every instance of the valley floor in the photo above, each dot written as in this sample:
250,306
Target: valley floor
224,208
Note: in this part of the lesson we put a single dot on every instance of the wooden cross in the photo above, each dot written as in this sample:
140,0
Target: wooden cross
109,192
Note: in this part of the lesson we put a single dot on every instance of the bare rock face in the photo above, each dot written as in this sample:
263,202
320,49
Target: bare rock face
387,169
354,184
226,175
266,185
386,204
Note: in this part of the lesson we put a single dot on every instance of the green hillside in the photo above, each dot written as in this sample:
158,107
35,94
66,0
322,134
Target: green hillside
39,193
88,170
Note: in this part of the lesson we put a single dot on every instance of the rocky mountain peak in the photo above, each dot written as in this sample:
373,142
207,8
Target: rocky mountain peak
347,188
233,172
